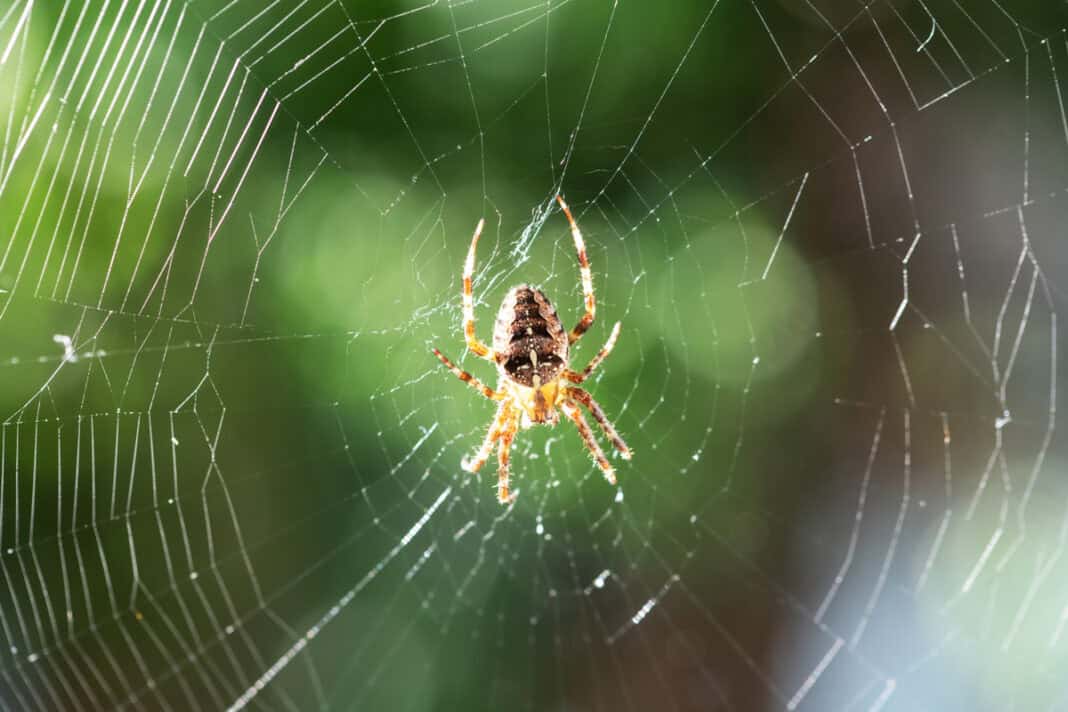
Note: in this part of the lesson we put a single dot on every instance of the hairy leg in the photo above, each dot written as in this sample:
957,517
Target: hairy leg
572,411
503,452
584,271
579,377
467,377
492,436
477,347
598,414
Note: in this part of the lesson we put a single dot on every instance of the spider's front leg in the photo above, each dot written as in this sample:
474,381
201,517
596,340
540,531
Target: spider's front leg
597,412
475,464
503,451
572,411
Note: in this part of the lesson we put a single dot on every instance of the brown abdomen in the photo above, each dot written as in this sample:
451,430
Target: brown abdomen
528,337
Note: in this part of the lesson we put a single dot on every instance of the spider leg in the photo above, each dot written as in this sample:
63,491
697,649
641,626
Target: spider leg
587,279
503,451
467,377
579,377
492,436
572,411
477,347
598,414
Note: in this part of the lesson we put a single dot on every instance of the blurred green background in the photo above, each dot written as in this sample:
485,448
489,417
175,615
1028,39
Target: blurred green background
247,220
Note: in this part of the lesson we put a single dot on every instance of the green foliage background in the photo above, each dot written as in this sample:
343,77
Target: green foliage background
252,420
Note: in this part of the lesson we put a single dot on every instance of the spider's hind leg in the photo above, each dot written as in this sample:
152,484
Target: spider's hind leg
473,343
584,272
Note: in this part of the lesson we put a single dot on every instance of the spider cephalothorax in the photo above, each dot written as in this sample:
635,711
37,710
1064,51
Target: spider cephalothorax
531,349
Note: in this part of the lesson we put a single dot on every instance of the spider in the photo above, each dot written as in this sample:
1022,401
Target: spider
530,350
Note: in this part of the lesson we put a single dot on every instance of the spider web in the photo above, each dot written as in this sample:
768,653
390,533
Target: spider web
229,464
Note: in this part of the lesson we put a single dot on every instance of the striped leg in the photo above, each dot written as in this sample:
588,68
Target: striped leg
467,377
587,279
477,347
572,411
596,361
598,414
492,436
503,452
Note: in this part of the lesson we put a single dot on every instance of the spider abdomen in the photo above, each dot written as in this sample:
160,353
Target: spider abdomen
529,341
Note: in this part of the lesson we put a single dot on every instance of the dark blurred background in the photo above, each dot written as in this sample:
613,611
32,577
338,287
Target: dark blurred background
231,233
